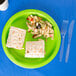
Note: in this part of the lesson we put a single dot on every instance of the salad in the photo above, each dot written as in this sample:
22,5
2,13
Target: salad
39,27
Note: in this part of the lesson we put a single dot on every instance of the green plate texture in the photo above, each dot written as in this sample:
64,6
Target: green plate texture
17,56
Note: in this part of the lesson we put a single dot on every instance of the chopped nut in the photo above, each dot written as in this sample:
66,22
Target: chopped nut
39,39
27,51
20,39
34,51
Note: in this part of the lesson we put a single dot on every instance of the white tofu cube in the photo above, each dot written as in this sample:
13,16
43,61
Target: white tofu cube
16,38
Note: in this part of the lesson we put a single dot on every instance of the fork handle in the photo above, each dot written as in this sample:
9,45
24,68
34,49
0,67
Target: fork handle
67,53
62,49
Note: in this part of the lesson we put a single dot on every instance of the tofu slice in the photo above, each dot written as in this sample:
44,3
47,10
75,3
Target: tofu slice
35,49
16,38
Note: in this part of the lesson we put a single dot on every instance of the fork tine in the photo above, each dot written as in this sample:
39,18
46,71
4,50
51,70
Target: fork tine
64,26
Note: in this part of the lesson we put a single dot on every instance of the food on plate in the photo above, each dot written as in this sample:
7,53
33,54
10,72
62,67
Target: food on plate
16,38
39,27
35,49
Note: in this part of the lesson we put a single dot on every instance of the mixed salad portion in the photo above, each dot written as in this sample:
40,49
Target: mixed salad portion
39,27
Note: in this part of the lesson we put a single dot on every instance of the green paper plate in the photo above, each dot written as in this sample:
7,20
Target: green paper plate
17,56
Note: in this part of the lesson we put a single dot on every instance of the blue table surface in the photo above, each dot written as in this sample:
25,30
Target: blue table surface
58,9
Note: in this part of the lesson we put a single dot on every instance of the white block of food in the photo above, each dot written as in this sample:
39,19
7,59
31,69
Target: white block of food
16,38
35,49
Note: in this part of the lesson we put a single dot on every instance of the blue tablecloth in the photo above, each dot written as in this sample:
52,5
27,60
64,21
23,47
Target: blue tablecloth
60,10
